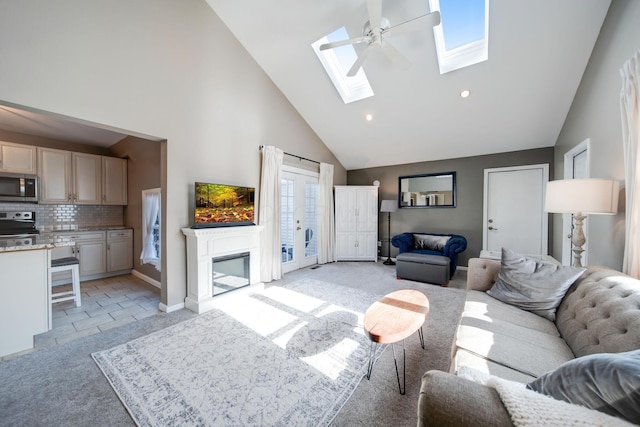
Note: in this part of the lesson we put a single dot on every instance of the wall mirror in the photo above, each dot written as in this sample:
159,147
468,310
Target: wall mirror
433,190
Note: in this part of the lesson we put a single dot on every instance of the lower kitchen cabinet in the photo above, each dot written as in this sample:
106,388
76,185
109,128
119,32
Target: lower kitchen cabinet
119,250
100,253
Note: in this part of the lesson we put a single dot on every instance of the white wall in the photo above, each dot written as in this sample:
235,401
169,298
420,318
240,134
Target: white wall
595,114
162,68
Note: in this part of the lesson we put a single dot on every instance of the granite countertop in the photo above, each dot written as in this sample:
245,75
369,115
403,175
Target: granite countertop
41,242
50,237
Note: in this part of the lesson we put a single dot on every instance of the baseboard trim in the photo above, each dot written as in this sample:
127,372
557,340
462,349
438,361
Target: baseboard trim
169,309
146,278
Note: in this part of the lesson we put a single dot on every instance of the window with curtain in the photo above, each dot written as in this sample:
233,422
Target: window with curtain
151,228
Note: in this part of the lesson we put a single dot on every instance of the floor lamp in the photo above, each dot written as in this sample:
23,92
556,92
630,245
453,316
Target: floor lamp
389,206
580,197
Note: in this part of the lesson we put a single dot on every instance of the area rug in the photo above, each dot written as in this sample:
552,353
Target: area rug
290,355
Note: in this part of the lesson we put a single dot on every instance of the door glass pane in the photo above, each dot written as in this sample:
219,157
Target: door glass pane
287,226
311,219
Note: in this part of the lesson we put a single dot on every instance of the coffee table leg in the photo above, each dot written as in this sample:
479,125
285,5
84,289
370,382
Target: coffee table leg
371,355
403,387
421,335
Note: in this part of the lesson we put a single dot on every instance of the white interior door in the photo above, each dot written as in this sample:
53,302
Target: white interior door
514,216
299,219
576,165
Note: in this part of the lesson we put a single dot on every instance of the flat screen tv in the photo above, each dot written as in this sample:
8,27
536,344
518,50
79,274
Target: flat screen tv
220,205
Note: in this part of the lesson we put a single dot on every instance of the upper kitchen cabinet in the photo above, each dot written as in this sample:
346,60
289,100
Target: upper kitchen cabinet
17,158
114,181
54,172
87,179
69,178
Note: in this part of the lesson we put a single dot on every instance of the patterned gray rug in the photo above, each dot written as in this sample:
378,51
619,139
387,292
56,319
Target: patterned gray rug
289,355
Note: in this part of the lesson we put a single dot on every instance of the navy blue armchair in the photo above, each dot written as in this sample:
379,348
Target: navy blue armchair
405,242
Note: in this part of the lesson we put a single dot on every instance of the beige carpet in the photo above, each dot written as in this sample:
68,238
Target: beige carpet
63,386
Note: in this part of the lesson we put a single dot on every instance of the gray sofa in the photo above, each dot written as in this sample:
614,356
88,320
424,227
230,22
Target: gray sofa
600,313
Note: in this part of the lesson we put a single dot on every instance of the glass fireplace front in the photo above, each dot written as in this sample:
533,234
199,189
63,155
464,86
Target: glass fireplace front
230,272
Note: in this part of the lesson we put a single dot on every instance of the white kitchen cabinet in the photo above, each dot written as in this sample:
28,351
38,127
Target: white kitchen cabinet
119,250
87,178
99,252
92,257
90,249
114,181
69,178
54,172
356,210
17,158
24,306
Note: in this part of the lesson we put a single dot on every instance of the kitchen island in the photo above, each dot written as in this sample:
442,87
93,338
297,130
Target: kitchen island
24,283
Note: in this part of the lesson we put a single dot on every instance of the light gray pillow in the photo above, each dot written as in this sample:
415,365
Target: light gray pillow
607,382
531,284
429,242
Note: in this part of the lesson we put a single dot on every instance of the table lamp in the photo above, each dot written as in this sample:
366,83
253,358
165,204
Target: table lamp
581,197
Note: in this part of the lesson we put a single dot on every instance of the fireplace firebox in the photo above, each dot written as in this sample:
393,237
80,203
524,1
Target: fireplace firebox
230,272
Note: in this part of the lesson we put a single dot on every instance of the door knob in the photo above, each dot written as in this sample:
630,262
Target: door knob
298,228
493,228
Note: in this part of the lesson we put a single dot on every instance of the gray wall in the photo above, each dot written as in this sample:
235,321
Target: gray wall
466,217
143,173
171,72
595,114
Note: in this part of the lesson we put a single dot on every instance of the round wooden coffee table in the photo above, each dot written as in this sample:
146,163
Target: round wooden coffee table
393,318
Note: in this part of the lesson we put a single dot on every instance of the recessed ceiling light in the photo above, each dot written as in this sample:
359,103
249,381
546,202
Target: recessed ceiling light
369,117
465,93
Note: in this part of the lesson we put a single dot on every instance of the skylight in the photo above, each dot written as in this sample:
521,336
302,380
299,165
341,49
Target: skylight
337,63
462,39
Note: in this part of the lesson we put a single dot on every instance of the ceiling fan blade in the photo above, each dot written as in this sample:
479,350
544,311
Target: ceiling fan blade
398,59
354,40
374,8
358,64
429,20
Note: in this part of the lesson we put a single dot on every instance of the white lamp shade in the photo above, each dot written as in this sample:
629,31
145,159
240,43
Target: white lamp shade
389,206
586,196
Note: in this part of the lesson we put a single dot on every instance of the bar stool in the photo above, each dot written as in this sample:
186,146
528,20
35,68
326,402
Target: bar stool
67,264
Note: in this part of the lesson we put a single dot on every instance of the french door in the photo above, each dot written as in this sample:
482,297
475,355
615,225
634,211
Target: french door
298,218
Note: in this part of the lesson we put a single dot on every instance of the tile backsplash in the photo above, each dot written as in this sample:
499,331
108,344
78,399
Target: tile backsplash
69,217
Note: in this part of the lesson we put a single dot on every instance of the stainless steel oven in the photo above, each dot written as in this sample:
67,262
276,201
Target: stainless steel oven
18,188
17,228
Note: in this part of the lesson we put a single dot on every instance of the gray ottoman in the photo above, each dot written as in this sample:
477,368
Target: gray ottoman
423,268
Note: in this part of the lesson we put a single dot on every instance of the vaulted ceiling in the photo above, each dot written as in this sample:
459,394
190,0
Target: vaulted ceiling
520,96
538,51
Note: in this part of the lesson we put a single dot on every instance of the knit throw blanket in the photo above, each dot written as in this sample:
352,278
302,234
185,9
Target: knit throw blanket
528,408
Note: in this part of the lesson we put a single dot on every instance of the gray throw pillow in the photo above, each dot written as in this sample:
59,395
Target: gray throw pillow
607,382
430,242
531,284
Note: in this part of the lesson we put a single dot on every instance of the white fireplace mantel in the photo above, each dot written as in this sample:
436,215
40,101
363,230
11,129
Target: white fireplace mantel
204,244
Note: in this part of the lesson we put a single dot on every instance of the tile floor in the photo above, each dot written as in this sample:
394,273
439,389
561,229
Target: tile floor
106,303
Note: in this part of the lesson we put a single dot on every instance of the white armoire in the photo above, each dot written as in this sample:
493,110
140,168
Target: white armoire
356,222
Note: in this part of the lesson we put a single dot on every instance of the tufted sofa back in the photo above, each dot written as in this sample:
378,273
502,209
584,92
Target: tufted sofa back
600,313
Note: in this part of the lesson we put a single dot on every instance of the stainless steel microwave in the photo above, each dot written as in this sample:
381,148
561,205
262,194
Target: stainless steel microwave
18,188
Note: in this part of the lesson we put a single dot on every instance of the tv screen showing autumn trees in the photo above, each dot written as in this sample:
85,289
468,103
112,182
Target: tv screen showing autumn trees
218,203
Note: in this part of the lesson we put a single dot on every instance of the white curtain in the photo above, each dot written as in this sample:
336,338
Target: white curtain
630,108
269,214
326,225
150,209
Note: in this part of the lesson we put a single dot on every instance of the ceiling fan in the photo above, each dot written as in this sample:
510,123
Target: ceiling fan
375,32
